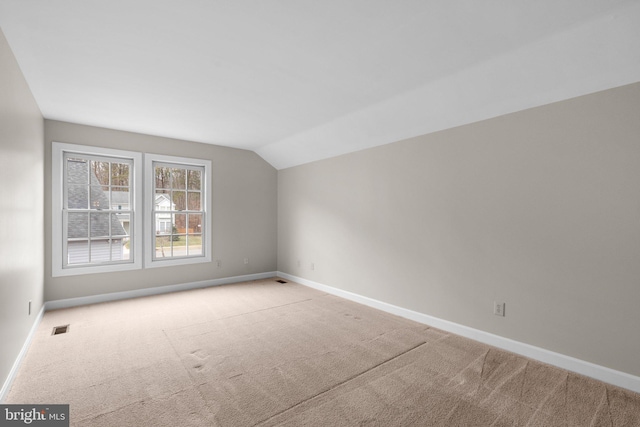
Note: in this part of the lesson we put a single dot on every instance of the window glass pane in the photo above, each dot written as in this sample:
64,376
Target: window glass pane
162,177
100,171
77,252
119,225
100,250
195,244
179,242
78,225
180,222
77,197
194,180
126,249
100,224
193,201
120,198
77,171
178,179
117,249
163,200
120,174
99,198
163,246
195,223
179,200
164,222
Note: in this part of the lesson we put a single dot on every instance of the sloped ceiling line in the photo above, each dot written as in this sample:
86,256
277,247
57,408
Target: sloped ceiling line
302,81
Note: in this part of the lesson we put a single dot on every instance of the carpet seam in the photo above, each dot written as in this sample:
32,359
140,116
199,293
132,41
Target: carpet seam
340,384
522,387
236,315
606,396
102,414
566,398
193,380
266,309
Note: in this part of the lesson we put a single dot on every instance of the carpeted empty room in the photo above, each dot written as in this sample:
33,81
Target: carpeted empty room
319,213
269,353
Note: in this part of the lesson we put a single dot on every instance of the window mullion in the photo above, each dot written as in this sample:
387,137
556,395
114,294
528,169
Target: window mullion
89,242
110,203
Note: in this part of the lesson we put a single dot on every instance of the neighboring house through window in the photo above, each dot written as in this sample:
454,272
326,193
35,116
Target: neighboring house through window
120,202
164,221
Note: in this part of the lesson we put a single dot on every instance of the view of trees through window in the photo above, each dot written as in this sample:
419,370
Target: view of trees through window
178,210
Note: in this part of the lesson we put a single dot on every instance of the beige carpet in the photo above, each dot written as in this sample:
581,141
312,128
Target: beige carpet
265,353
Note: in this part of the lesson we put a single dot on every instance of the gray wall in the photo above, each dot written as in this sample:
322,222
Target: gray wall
539,209
21,175
244,213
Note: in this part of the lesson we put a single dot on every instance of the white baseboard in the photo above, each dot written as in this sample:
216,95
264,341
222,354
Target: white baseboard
607,375
611,376
23,351
115,296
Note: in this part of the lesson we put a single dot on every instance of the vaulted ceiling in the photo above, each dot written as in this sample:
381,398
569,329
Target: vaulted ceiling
301,80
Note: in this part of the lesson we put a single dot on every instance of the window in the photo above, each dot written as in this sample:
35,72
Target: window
178,206
98,210
96,226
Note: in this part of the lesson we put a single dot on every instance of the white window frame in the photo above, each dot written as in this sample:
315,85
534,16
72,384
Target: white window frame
149,241
58,239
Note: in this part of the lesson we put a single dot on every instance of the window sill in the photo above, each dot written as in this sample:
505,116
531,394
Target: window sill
93,269
177,261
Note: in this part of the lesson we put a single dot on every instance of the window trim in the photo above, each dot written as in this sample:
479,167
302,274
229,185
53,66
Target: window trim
58,239
149,179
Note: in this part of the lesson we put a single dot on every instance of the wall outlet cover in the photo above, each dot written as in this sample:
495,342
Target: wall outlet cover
498,308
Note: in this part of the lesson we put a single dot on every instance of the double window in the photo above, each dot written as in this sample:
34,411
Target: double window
102,223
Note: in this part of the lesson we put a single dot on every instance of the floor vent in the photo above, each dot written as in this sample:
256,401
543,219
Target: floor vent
281,281
57,330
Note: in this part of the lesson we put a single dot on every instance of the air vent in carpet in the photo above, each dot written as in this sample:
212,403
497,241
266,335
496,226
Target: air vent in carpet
281,281
57,330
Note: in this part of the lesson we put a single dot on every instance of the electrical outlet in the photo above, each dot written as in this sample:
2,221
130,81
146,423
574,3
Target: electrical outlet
29,307
219,263
246,260
298,263
498,308
313,266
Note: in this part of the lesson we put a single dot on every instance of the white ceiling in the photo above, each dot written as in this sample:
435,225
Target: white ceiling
301,80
